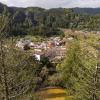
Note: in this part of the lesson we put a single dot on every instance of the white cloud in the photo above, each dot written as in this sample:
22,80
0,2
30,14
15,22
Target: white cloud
53,3
84,3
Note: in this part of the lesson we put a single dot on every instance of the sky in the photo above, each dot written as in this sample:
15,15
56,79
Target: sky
53,3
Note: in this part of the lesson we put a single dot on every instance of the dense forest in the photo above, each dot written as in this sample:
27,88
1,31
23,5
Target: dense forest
46,22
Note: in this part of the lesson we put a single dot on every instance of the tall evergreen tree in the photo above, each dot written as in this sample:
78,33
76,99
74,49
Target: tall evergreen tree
81,73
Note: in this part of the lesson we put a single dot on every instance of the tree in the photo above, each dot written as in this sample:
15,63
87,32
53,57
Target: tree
16,67
81,73
72,66
96,73
3,28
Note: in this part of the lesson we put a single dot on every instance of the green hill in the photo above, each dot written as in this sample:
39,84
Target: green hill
43,22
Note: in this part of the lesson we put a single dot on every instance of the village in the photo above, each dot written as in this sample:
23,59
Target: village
54,47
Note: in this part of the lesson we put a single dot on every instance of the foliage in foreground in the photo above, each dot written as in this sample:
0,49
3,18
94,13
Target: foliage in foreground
81,71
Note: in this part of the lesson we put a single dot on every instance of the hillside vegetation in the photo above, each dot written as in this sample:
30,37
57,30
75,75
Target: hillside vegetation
43,22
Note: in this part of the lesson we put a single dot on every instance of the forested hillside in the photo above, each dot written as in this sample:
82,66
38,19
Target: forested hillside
91,11
39,21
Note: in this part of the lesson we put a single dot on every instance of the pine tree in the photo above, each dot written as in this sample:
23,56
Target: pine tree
81,73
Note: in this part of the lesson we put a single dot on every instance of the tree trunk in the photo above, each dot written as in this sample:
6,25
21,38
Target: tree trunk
4,72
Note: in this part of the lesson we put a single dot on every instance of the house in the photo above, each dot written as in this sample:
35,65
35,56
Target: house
98,32
22,43
38,55
70,38
31,44
51,44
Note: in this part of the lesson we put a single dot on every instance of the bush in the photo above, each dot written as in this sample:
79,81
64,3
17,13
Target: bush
26,47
